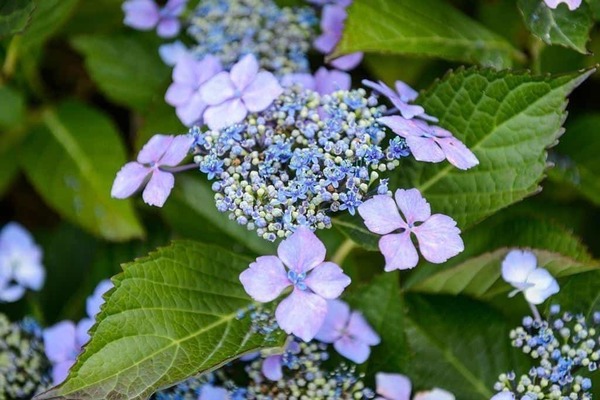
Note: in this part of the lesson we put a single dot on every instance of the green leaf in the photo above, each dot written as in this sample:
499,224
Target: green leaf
159,117
48,17
171,315
11,134
13,107
559,26
72,160
576,157
354,229
126,68
423,28
15,16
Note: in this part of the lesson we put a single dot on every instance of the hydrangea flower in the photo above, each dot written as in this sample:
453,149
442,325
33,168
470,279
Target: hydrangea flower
314,282
231,95
438,237
20,263
323,82
332,27
350,333
400,98
520,269
431,143
572,4
210,392
398,387
189,75
503,396
434,394
146,14
63,342
171,53
160,151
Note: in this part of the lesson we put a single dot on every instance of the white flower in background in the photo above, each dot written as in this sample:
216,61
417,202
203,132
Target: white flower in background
520,269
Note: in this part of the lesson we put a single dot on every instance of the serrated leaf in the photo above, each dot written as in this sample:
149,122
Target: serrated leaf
423,28
558,26
72,160
14,16
172,314
126,68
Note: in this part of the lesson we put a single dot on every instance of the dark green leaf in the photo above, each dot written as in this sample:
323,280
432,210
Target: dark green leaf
172,314
47,19
14,16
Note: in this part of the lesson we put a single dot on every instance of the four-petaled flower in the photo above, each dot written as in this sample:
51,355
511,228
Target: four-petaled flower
431,143
520,269
323,82
314,282
184,94
161,150
20,263
62,344
350,333
572,4
231,95
146,14
400,98
437,235
332,27
399,387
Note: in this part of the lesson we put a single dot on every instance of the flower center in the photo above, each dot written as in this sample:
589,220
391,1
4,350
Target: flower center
297,279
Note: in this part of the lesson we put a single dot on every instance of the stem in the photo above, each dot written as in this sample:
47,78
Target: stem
536,313
535,50
8,69
181,168
342,252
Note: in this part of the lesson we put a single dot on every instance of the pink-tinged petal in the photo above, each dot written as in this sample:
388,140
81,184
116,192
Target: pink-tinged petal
271,368
434,394
226,114
209,66
347,62
190,113
59,341
168,27
354,350
265,279
218,89
210,392
425,149
302,251
261,93
393,386
457,153
61,370
244,72
338,313
158,188
30,275
516,267
408,111
81,333
154,149
141,14
399,251
381,215
439,238
11,293
359,328
327,280
543,285
326,42
405,92
178,94
331,81
129,180
306,81
177,150
413,205
301,314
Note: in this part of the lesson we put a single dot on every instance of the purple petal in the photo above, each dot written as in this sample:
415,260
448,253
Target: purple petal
168,27
327,280
302,251
439,238
61,370
174,8
425,149
405,92
129,179
457,153
218,89
399,251
171,53
226,114
328,82
141,14
59,341
158,188
326,42
190,113
261,92
15,235
178,94
265,279
332,19
408,111
209,66
354,350
210,392
393,386
81,333
95,301
187,70
30,275
359,328
244,72
11,293
306,81
517,265
177,150
347,62
338,313
301,314
381,215
434,394
412,204
387,92
154,149
271,368
503,396
543,286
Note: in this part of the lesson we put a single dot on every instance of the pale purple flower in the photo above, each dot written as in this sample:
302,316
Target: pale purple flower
392,386
314,282
272,365
146,15
437,235
434,394
347,62
323,82
63,343
350,333
520,269
161,150
343,3
20,263
431,143
503,396
95,301
400,98
210,392
189,75
572,4
231,95
171,53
